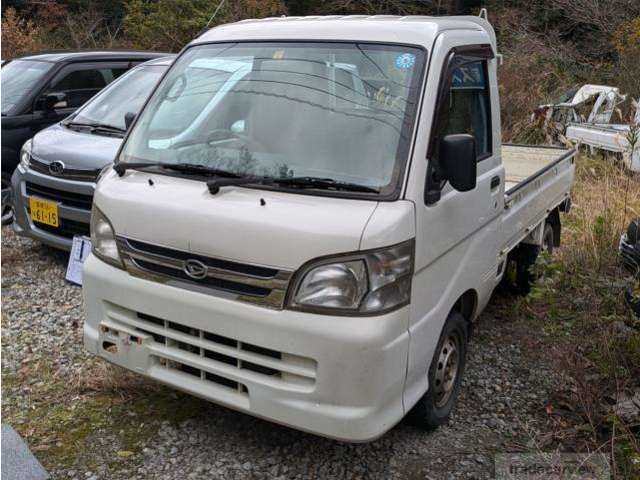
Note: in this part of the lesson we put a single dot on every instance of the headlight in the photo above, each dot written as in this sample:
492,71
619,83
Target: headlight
103,239
364,283
25,156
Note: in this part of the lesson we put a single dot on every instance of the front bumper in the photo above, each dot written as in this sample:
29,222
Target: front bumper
340,377
68,194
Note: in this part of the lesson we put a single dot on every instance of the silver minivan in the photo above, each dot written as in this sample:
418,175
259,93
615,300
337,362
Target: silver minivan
54,183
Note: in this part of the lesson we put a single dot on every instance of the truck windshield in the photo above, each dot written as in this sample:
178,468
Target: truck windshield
340,111
18,78
126,94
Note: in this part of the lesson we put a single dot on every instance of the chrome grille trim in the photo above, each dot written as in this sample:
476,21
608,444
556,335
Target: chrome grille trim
168,267
68,173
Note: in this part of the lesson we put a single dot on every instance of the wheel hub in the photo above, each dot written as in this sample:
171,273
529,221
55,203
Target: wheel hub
446,370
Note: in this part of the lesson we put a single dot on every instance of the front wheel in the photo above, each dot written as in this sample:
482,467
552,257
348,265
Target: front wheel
7,208
445,374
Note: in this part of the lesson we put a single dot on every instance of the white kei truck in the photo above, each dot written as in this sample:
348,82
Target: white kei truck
308,215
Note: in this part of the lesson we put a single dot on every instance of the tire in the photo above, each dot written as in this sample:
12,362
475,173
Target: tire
519,276
525,259
633,302
7,208
435,406
548,243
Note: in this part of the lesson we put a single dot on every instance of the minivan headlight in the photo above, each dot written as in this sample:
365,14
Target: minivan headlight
25,156
103,239
366,283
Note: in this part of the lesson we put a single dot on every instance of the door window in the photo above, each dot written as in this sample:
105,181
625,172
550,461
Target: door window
468,107
80,85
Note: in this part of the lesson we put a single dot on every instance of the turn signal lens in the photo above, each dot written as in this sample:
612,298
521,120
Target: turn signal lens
103,239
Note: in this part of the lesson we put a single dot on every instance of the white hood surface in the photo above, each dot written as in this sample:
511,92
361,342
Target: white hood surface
288,230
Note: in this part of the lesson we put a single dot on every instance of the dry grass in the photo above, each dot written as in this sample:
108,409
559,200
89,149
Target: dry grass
100,377
592,337
606,198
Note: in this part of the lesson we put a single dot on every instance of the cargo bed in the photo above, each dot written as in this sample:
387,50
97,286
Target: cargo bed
523,163
537,180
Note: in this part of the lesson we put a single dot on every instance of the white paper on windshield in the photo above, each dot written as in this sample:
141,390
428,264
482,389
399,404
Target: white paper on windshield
80,250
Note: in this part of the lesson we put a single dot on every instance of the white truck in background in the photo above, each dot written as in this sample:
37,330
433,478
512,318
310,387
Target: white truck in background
585,119
621,139
311,252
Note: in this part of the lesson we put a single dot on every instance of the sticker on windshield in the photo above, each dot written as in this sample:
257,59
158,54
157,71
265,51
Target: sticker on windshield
406,60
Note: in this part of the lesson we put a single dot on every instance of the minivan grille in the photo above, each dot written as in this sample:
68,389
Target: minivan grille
67,228
69,199
249,283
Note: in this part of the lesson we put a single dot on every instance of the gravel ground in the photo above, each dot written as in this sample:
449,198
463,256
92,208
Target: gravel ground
87,420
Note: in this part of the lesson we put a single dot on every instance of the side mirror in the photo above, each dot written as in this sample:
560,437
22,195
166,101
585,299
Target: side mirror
129,117
458,160
52,101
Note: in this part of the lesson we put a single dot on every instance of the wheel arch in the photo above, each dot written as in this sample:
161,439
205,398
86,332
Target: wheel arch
553,219
467,305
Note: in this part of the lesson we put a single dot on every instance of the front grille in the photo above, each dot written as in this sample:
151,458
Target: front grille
211,357
79,175
234,287
250,283
70,199
68,228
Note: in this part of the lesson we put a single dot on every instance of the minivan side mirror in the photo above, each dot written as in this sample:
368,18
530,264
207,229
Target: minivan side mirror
457,156
129,117
53,101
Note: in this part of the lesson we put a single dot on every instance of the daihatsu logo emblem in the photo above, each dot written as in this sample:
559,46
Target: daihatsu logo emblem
56,168
195,269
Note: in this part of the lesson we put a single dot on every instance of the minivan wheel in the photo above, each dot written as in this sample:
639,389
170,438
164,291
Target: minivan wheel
7,208
445,373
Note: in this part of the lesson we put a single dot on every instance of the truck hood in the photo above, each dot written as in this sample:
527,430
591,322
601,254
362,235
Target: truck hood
79,150
260,227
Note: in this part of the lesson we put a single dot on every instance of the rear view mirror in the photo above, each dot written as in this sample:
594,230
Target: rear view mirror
129,117
53,101
458,160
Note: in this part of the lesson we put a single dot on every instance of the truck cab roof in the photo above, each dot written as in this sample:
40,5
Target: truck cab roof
415,30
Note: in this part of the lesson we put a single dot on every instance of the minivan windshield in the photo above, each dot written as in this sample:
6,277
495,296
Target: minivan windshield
18,77
124,95
339,111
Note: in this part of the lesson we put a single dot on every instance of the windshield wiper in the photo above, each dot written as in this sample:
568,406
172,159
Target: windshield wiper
194,168
297,182
93,127
324,184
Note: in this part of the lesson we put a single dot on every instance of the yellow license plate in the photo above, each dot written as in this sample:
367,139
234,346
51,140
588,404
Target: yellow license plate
44,211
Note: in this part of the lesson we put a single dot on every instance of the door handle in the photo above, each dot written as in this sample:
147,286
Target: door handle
495,182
